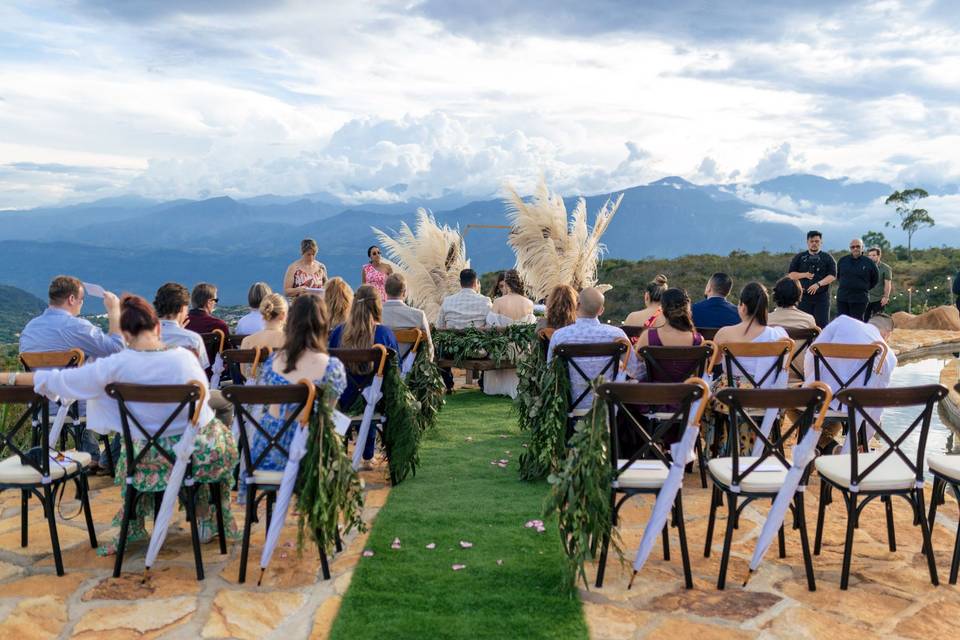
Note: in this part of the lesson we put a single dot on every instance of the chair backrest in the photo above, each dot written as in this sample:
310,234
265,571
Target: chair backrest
870,356
375,359
693,361
215,341
408,340
859,402
613,352
233,358
708,333
733,354
302,395
234,341
190,396
633,331
544,335
802,338
12,396
621,395
34,360
812,401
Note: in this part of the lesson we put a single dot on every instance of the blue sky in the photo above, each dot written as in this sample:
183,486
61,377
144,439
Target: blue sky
171,99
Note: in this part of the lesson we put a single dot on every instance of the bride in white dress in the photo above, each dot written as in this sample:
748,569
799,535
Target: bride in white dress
512,307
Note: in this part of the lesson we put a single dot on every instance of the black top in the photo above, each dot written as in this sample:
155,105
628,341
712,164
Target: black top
820,264
856,277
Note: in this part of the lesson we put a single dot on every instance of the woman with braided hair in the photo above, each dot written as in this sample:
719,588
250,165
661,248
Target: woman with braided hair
650,315
512,307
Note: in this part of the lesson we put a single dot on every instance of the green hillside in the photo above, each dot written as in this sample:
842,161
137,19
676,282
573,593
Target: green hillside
16,308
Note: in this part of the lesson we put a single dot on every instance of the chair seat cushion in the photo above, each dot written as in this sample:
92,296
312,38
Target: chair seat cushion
13,472
261,476
767,478
643,474
893,474
945,465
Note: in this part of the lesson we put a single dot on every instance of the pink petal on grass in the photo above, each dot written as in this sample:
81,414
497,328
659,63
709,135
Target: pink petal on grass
367,553
432,546
541,529
469,439
465,545
502,465
499,562
458,567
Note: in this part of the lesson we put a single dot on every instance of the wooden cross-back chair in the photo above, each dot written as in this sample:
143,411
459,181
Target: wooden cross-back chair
744,479
708,333
645,471
945,469
233,359
408,341
613,356
37,360
861,477
215,342
185,397
802,339
234,341
40,477
870,356
732,354
543,338
697,359
633,331
374,362
261,484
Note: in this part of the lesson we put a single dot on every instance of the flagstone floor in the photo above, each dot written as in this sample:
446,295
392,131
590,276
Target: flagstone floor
293,602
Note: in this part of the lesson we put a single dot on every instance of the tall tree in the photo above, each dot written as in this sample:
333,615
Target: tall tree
912,218
876,239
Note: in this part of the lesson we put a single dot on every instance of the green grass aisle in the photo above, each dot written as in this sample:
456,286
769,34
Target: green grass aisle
457,495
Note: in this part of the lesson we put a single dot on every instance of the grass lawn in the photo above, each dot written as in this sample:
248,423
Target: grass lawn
458,495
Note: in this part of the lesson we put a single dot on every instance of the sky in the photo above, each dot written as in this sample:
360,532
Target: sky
380,101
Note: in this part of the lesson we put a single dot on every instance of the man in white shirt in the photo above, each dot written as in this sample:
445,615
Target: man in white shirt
589,330
397,314
466,308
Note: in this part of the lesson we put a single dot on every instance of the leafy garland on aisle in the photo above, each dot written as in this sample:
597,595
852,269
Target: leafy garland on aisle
581,493
329,491
500,344
426,385
401,433
531,369
547,421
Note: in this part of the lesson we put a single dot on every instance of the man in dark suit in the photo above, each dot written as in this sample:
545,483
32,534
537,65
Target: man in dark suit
715,311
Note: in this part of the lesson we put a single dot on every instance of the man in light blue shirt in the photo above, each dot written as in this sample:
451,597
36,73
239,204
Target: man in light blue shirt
59,328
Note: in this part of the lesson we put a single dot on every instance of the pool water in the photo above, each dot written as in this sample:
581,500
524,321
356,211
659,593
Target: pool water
896,420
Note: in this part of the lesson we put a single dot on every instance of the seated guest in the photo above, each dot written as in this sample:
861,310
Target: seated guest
398,315
362,330
466,308
588,329
303,355
204,300
847,330
338,297
171,304
147,360
253,321
677,330
273,310
512,307
650,314
786,295
715,311
60,328
561,308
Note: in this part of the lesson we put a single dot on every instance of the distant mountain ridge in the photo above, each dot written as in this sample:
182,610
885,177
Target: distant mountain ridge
17,307
136,244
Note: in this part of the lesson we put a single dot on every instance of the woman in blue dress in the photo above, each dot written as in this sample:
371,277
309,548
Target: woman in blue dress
362,330
303,356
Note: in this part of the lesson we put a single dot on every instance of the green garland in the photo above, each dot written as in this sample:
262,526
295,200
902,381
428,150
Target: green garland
500,344
531,369
426,385
581,493
328,489
401,433
548,423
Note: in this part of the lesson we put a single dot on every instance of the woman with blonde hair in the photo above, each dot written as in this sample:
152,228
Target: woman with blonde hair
273,308
362,330
650,315
338,296
305,275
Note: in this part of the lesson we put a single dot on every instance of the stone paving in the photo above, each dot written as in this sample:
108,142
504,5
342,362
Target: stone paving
293,602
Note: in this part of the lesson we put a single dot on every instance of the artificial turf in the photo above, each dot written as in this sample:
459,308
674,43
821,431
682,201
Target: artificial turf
413,592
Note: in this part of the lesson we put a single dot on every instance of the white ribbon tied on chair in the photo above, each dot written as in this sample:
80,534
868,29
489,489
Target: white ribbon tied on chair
183,449
372,396
803,454
59,421
217,370
681,453
298,449
776,380
407,363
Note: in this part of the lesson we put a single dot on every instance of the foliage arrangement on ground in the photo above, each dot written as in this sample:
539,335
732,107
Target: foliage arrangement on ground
502,344
413,592
547,420
401,435
426,385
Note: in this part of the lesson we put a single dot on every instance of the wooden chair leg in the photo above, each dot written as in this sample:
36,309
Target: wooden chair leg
804,541
247,525
851,501
84,486
934,502
891,532
24,503
128,508
727,540
271,499
821,512
702,462
324,565
191,504
666,541
51,509
928,543
682,532
605,545
782,542
711,521
216,498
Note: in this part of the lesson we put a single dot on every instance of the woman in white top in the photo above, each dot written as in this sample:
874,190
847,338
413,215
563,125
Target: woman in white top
253,321
512,307
146,360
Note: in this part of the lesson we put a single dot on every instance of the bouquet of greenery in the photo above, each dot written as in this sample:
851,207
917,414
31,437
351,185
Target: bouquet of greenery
401,434
328,488
501,344
531,370
581,493
547,423
426,385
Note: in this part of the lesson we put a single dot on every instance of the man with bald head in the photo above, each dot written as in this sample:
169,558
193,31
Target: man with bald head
589,330
857,274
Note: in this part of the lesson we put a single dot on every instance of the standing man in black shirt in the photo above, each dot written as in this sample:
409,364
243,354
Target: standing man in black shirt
857,275
815,270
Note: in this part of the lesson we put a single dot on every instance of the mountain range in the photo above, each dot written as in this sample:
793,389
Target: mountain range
135,244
